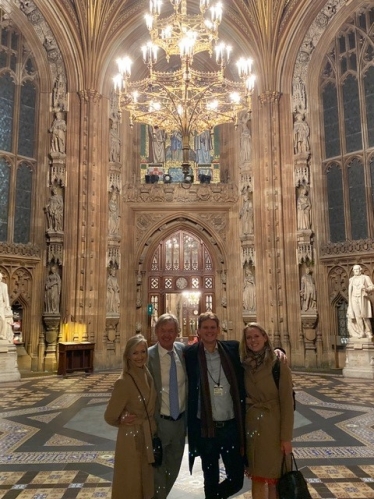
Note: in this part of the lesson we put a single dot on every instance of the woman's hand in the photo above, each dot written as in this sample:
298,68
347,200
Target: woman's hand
126,418
286,447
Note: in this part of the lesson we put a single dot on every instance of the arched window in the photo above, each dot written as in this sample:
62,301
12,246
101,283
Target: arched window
18,101
181,279
347,96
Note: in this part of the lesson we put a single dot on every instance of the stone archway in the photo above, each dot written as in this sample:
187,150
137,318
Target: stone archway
183,258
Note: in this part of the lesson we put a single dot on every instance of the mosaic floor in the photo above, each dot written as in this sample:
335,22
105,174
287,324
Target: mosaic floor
54,443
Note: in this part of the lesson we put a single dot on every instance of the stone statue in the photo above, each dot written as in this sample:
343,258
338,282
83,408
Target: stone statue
112,293
158,138
55,212
249,292
58,130
304,206
246,213
115,143
6,313
308,291
203,145
359,306
113,227
53,291
245,137
301,134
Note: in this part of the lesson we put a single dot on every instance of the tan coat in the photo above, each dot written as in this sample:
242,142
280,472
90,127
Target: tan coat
269,418
133,471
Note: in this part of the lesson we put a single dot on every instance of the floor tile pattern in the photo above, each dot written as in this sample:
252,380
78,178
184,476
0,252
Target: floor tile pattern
54,443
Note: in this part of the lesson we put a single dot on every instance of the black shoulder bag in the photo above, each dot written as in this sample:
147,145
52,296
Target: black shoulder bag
156,441
292,484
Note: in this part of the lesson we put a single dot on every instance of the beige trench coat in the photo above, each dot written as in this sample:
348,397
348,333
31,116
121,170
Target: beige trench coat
269,418
133,471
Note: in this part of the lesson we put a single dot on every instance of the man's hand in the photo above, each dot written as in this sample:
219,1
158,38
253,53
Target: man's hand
281,355
126,418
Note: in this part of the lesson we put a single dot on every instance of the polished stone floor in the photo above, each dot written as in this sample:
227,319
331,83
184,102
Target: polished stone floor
54,443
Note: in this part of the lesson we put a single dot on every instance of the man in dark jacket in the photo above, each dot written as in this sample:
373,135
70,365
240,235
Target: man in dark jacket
216,404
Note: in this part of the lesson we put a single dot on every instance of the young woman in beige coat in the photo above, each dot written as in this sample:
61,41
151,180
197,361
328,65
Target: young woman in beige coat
133,471
269,412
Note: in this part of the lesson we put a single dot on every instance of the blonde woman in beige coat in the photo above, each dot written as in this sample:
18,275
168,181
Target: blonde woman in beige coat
269,412
133,471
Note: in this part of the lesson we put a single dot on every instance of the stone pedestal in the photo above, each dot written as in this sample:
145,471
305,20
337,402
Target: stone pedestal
359,359
8,362
309,321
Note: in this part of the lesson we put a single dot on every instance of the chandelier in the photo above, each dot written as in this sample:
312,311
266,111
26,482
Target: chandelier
184,99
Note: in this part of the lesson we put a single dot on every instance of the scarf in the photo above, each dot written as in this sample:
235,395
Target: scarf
255,359
207,423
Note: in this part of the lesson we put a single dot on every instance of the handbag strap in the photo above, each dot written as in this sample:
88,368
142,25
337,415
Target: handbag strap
284,464
143,400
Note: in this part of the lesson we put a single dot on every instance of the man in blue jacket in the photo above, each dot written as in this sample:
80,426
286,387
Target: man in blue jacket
216,404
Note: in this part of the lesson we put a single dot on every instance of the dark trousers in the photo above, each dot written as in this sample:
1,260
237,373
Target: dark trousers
225,444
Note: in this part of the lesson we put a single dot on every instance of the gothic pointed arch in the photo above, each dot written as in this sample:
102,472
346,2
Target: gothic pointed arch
183,271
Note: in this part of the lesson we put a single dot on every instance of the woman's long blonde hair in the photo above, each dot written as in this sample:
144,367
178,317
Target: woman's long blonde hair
131,344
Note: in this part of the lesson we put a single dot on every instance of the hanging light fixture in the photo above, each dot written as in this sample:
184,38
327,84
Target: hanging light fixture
186,100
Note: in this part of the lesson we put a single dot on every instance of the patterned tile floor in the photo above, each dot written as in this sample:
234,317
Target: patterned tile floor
54,443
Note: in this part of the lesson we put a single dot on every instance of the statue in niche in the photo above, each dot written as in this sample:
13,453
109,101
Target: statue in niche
308,291
245,137
249,291
301,134
59,93
6,313
53,291
246,213
158,139
203,145
299,95
112,292
304,206
359,306
115,143
113,226
58,131
55,212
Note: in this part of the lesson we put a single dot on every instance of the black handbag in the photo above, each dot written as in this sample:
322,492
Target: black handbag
292,484
156,441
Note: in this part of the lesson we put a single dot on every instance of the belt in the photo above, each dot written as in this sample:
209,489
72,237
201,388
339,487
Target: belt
222,424
169,418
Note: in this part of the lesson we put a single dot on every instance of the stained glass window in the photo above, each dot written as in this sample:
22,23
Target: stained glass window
347,92
18,100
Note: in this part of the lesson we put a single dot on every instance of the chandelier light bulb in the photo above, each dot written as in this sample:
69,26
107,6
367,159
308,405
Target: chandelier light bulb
250,83
135,96
235,97
186,46
155,7
150,53
223,52
117,80
149,21
216,13
212,105
124,66
166,32
154,106
244,67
